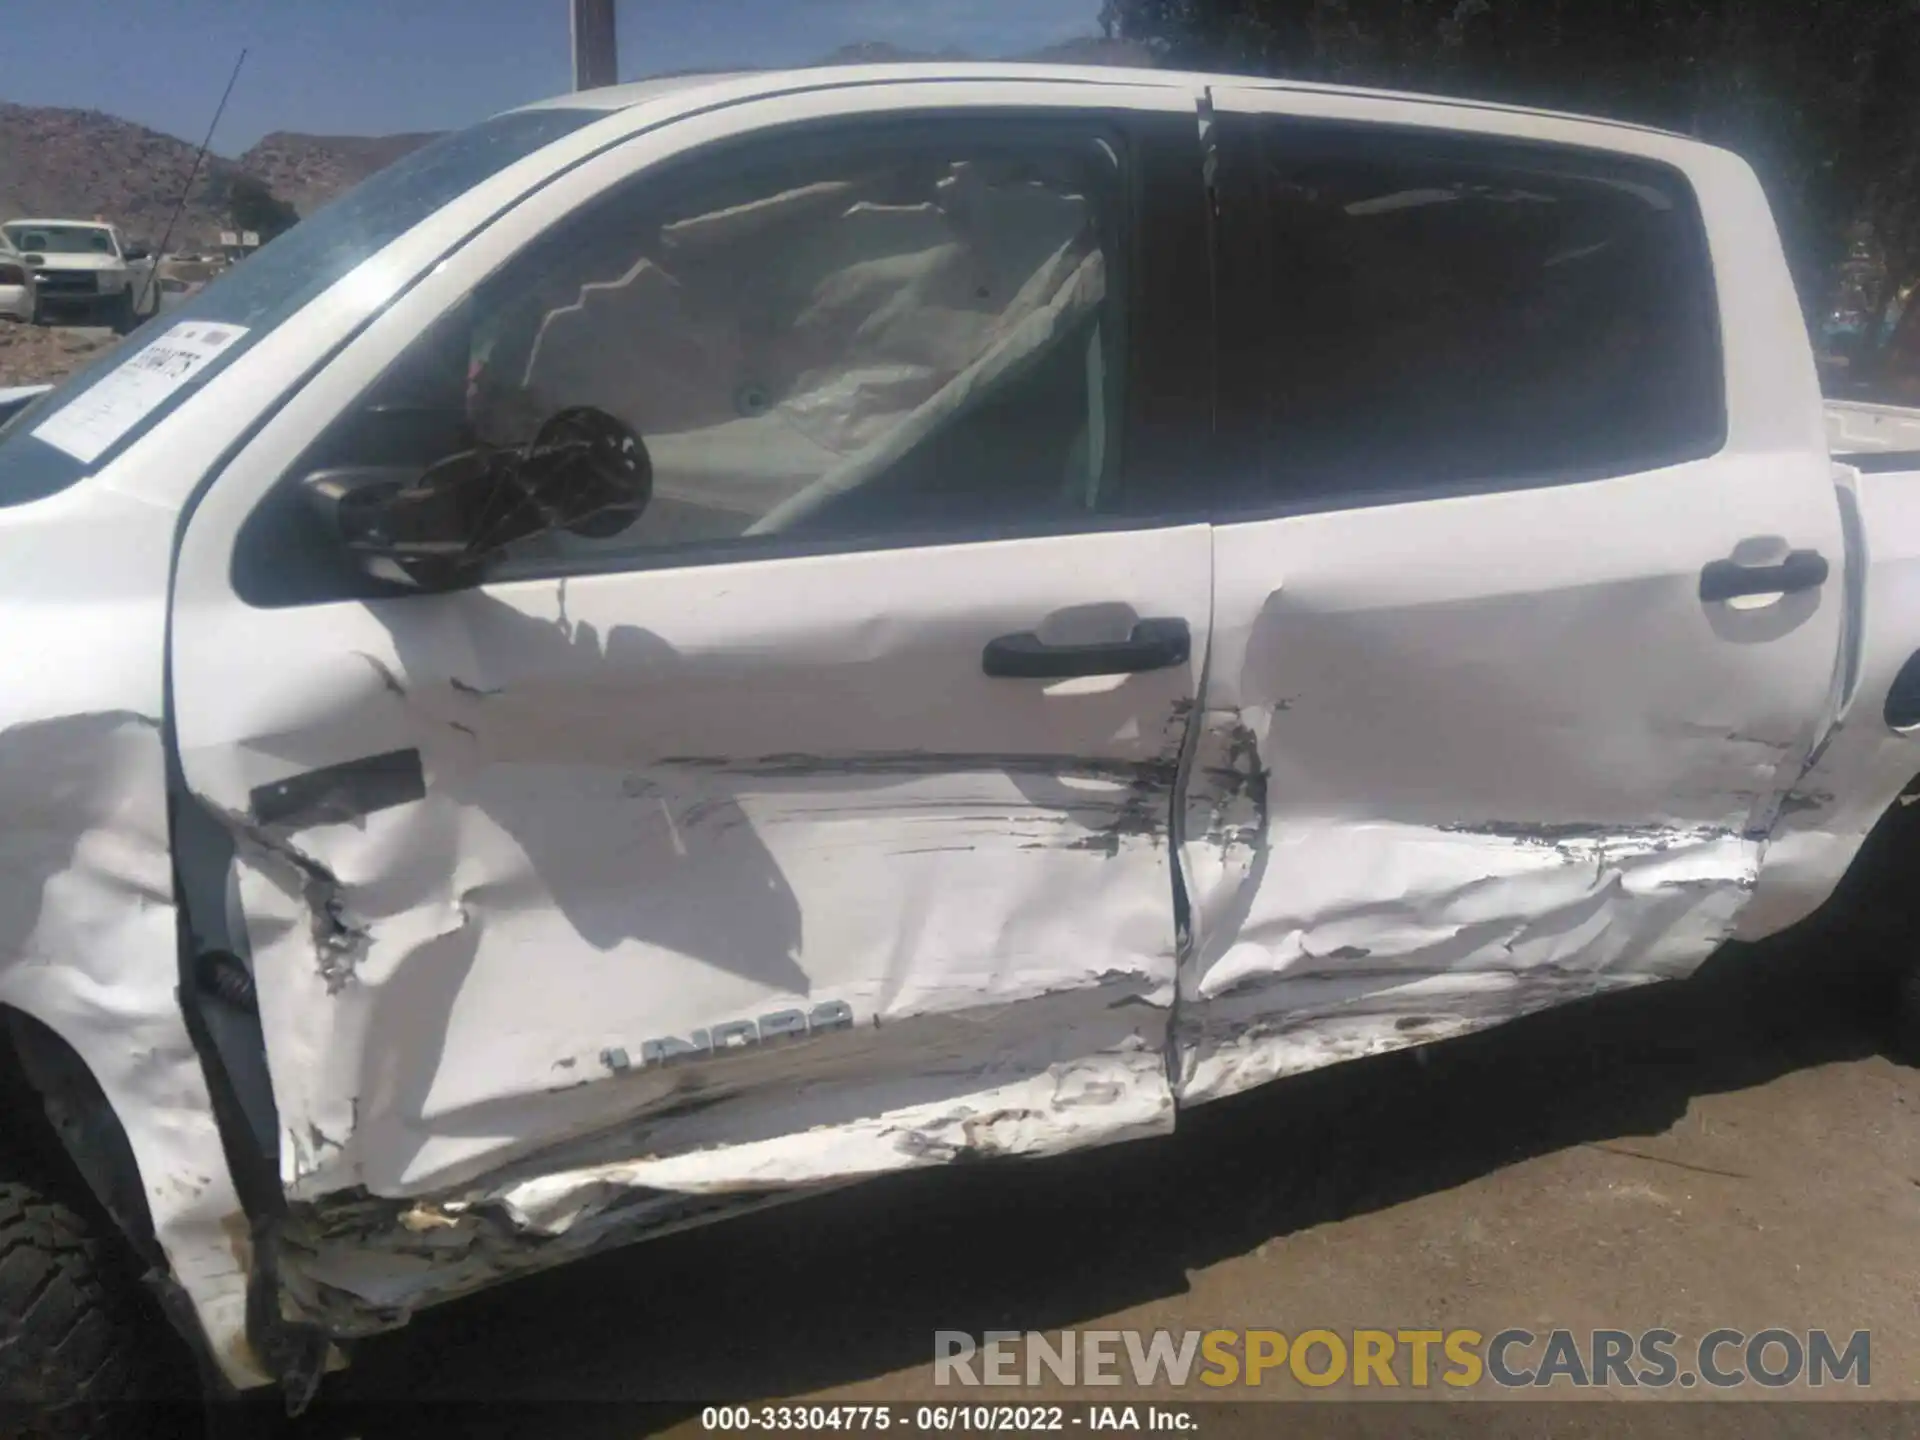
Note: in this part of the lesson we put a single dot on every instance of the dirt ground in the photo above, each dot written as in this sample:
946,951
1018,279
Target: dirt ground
1728,1151
42,354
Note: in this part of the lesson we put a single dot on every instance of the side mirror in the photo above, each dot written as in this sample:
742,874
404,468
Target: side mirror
135,252
438,529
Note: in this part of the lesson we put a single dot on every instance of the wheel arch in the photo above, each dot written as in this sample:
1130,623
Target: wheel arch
60,1126
154,1180
58,1117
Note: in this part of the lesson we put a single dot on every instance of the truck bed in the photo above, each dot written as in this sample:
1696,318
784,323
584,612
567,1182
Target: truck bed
1874,439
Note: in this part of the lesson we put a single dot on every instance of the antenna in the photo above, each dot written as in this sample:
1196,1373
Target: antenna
153,270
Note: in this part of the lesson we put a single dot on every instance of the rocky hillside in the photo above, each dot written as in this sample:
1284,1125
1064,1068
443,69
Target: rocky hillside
308,170
82,163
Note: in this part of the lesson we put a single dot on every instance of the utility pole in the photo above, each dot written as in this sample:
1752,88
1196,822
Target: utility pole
596,49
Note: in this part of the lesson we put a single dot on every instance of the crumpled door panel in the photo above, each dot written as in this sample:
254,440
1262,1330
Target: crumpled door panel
1458,761
710,883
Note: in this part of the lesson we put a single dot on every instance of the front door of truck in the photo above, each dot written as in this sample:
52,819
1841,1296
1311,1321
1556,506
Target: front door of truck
1528,595
813,825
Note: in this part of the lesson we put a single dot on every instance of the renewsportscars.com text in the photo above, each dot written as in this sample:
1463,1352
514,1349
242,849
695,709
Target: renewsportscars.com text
1411,1359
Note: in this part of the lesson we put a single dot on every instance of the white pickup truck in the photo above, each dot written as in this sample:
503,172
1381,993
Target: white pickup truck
84,267
706,640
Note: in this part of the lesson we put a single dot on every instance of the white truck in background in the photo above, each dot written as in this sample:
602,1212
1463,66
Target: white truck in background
85,268
17,300
706,640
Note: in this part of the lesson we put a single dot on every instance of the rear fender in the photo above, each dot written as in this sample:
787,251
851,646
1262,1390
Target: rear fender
1871,753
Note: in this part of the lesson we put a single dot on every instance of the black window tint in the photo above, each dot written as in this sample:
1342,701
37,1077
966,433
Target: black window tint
1404,315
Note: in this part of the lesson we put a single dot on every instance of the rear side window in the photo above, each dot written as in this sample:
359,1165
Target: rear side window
1405,315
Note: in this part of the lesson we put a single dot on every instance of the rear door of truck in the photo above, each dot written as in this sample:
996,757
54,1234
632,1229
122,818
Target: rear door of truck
1527,563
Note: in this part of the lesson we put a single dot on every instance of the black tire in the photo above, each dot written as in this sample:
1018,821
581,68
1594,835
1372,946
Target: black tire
120,313
81,1345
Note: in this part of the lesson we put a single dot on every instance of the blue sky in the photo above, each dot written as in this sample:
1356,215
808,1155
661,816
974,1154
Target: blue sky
369,67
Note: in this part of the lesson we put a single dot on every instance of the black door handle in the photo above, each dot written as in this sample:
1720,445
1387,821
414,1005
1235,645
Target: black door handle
1153,645
1801,570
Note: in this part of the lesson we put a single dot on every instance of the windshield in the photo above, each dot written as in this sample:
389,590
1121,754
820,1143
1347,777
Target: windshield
279,280
61,239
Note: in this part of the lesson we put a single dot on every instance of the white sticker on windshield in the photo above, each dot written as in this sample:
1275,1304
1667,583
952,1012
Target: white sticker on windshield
89,423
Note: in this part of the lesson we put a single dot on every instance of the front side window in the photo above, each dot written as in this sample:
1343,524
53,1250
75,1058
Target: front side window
832,337
275,283
1434,313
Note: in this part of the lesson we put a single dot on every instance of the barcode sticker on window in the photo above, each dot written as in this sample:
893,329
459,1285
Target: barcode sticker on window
87,425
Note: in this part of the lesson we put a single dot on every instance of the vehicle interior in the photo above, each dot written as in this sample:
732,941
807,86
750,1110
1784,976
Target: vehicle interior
807,351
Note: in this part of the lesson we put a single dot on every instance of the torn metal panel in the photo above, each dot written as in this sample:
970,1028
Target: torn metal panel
88,938
1452,767
1482,928
937,852
1053,1080
358,1264
737,879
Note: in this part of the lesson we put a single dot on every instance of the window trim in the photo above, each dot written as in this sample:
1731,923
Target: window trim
1245,139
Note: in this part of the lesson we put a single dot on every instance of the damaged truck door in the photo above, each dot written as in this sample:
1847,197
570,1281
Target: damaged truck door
1523,625
808,822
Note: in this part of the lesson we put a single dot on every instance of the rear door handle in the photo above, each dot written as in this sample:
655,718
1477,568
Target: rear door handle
1726,580
1153,645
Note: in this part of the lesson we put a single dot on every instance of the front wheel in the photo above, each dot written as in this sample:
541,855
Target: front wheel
81,1345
